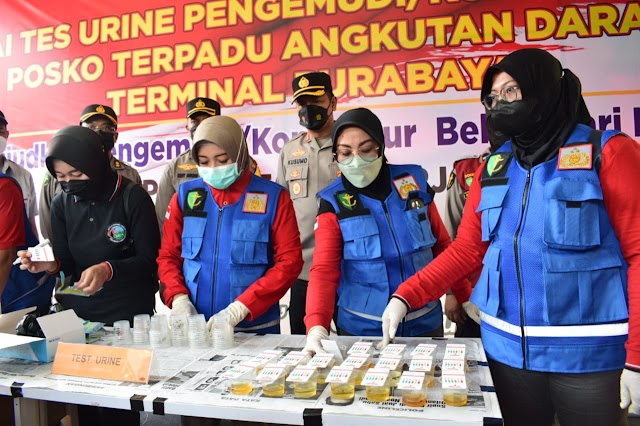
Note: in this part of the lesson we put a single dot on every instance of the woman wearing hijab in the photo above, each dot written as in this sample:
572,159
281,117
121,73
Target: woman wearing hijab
104,237
378,222
230,239
552,217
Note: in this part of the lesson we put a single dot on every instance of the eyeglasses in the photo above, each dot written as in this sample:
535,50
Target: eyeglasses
104,128
509,94
368,152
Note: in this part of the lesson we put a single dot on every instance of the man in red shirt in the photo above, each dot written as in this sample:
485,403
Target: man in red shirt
12,232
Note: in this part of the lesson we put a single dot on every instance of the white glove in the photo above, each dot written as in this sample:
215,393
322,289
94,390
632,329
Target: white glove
391,317
472,311
315,336
630,391
181,305
236,312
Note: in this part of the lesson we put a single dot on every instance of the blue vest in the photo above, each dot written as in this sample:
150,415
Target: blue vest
553,288
23,288
383,245
226,249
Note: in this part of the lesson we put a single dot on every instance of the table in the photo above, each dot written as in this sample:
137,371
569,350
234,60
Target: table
187,381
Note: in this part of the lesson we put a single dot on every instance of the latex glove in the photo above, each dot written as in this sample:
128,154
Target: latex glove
630,391
391,317
182,306
472,311
453,310
316,334
237,312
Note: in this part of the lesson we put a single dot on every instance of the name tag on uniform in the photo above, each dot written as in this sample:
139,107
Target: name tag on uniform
255,202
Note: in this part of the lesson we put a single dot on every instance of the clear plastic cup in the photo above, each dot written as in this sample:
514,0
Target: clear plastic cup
222,331
179,330
122,333
197,334
159,332
141,327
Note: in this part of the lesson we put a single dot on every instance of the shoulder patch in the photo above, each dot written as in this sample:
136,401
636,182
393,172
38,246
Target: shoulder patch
496,163
255,202
576,157
405,184
348,200
46,179
196,199
117,164
452,178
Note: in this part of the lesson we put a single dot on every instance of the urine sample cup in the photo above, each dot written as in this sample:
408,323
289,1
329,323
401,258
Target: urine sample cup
454,389
305,381
272,378
413,385
342,380
377,384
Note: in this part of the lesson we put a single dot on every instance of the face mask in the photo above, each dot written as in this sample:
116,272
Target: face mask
313,117
360,173
75,187
3,144
512,118
108,140
220,177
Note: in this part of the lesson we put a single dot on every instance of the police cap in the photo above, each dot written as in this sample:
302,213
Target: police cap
97,109
206,105
311,84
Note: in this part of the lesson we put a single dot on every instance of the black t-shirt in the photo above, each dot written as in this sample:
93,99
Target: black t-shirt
89,232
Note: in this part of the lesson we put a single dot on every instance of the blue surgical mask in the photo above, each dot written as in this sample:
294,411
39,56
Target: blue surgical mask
220,177
360,173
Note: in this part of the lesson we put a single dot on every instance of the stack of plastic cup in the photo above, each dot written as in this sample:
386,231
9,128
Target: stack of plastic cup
141,327
159,332
197,332
222,331
179,330
122,333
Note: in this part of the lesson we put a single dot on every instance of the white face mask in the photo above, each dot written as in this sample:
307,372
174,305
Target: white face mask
3,144
360,173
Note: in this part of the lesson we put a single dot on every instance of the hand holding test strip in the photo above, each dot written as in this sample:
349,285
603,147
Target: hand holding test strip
40,253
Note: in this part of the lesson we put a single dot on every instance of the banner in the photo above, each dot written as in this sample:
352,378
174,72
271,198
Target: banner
418,64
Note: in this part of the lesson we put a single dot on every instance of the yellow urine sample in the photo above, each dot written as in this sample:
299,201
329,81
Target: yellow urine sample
456,400
305,390
378,393
343,390
414,399
242,388
273,389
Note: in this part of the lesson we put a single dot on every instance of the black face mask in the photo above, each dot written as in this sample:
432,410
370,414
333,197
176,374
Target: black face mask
108,140
74,187
512,118
313,117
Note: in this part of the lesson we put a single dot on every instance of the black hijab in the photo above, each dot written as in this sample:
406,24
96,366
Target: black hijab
82,148
550,108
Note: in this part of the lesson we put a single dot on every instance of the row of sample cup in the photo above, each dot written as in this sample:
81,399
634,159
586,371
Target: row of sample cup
162,331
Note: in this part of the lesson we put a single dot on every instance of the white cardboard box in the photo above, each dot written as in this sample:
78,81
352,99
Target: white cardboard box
63,326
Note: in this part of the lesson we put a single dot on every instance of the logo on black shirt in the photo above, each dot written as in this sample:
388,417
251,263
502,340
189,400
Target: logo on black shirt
116,233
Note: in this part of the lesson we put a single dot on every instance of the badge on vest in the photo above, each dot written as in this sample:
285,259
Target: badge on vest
255,202
195,200
404,185
295,173
576,157
187,166
298,152
497,163
468,179
296,188
348,201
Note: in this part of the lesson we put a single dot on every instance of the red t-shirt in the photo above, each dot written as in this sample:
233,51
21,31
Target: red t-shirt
12,232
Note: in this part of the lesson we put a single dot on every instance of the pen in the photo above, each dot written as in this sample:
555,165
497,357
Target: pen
42,244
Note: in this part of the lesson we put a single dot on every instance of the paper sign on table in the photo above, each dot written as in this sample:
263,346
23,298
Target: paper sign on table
103,362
